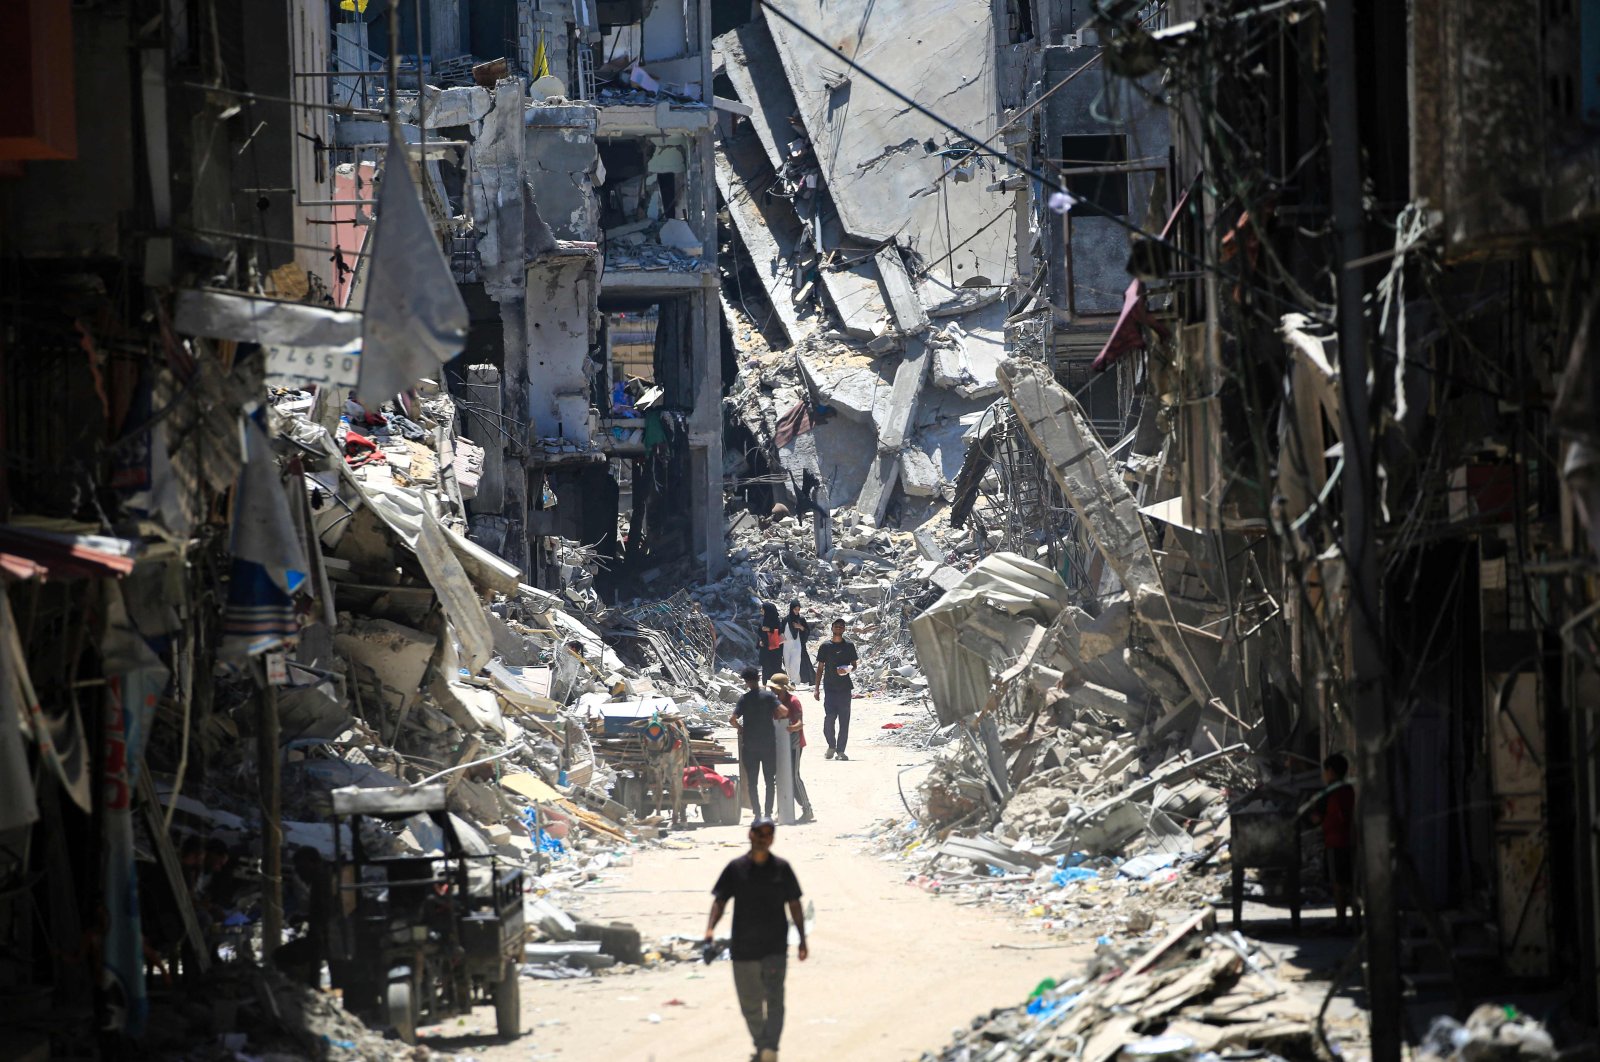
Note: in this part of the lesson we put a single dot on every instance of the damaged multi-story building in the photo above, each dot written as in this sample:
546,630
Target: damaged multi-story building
579,172
1311,434
866,254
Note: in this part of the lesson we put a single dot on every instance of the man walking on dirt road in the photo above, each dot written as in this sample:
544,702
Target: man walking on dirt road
761,885
836,659
755,717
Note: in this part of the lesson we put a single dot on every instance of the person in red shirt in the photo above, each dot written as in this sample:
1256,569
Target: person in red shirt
780,687
1337,814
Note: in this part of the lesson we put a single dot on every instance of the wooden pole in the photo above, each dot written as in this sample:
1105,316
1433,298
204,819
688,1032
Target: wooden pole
271,817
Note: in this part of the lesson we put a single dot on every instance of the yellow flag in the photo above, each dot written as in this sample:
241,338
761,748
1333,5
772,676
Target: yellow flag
358,6
541,61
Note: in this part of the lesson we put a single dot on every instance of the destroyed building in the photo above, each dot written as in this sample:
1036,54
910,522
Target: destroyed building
865,252
581,180
288,450
1339,500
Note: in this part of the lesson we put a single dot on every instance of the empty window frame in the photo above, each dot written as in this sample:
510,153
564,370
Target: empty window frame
1094,171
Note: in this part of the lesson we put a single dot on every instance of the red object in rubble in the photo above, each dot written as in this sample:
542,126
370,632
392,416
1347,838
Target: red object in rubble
358,449
893,726
704,776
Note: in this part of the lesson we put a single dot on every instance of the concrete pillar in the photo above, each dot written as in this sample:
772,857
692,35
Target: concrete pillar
514,388
705,429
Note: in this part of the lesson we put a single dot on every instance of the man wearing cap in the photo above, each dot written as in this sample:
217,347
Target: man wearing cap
765,895
781,689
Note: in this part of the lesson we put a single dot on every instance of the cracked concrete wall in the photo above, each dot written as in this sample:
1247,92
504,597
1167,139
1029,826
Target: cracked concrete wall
562,166
560,334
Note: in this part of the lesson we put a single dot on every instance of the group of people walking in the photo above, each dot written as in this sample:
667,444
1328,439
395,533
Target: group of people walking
762,887
771,709
784,650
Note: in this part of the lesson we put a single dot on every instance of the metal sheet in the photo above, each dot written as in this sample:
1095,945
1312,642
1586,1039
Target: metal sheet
959,679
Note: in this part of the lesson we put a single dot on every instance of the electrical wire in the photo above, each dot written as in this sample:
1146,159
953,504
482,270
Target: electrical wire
1198,261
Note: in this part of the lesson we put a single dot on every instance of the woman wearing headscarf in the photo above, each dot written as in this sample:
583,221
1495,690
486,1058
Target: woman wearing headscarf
796,629
771,641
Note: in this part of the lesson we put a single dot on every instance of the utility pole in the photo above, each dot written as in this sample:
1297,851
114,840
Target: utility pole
395,136
1367,683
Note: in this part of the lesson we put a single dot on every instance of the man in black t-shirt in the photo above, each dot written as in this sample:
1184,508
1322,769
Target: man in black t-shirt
761,885
836,660
755,716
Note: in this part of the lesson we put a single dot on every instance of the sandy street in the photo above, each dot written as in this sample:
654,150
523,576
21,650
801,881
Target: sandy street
893,969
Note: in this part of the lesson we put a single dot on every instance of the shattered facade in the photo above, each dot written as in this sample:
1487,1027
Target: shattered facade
590,228
1269,432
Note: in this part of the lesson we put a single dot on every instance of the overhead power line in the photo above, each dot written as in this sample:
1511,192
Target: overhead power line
981,148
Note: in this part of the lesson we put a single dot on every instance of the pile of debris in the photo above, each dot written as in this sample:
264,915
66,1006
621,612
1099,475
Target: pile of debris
875,578
392,650
1196,991
257,1012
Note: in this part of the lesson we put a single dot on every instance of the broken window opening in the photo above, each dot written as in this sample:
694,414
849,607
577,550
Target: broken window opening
1099,192
1019,21
644,203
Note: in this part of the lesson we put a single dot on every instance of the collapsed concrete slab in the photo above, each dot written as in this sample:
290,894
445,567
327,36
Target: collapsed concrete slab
849,385
919,477
887,167
767,239
1081,467
397,654
1001,589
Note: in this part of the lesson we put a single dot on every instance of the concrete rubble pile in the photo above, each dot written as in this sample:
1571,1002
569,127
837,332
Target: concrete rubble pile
1100,753
1201,994
1195,994
257,1012
874,578
425,658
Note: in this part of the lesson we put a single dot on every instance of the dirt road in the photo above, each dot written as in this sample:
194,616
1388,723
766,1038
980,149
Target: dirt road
892,968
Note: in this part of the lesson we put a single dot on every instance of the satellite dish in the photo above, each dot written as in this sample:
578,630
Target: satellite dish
548,86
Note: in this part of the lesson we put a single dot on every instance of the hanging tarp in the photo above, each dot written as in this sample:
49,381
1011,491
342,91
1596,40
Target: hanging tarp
413,320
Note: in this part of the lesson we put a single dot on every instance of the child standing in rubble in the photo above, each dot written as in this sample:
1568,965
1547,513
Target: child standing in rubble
1336,811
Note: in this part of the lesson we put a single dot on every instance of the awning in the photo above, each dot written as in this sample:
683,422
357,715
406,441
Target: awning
34,553
1135,316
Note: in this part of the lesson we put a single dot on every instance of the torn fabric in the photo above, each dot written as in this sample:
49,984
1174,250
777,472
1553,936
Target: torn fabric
17,805
796,422
414,319
136,678
264,529
62,745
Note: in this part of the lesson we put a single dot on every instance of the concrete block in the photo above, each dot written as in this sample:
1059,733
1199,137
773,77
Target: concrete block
677,233
399,655
619,940
918,476
852,389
